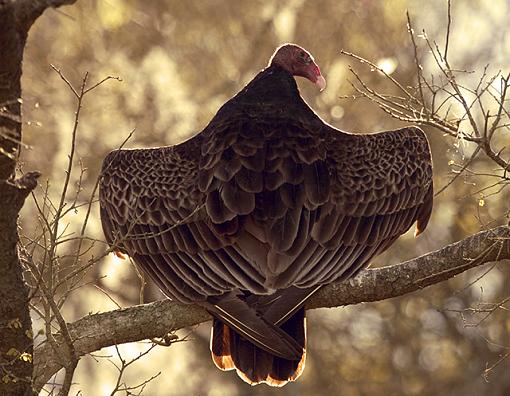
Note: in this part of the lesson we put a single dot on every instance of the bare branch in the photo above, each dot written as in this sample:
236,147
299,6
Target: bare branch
460,171
419,68
101,82
434,98
50,261
97,331
448,30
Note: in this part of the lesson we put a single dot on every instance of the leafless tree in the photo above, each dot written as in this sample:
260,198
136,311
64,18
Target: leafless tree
50,275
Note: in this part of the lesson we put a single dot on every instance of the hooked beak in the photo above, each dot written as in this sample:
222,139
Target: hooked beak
312,73
320,82
315,76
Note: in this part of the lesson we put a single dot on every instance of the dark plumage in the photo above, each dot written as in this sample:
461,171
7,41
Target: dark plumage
259,210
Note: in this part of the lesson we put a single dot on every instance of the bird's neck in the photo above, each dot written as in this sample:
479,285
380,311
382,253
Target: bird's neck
273,84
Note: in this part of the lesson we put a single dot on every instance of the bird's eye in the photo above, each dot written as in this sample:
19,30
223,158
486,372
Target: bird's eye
305,58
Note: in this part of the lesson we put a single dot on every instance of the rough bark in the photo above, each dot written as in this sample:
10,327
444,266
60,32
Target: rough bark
15,325
16,347
97,331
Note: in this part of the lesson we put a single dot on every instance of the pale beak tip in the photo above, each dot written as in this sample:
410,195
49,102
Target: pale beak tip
321,83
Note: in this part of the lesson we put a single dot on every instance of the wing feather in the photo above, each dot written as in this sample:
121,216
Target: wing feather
373,198
322,202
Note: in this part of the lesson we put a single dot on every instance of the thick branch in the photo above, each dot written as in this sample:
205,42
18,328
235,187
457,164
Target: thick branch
94,332
27,11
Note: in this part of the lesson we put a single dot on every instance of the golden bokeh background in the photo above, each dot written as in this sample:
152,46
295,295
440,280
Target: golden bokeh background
178,62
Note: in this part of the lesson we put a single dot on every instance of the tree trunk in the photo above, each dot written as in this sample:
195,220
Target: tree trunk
16,346
15,325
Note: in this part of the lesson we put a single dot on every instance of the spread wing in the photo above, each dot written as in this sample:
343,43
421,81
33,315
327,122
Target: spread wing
358,195
244,211
152,209
269,207
381,184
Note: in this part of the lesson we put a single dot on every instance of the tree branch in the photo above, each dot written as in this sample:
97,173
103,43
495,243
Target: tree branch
27,11
140,322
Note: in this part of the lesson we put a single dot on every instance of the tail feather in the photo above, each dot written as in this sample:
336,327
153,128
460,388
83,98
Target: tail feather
233,310
220,346
253,364
285,370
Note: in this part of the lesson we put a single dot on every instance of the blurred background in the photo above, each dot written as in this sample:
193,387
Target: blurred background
178,62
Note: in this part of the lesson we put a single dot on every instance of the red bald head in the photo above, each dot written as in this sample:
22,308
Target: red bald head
298,62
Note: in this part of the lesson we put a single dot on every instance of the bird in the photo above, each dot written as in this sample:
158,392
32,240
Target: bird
266,205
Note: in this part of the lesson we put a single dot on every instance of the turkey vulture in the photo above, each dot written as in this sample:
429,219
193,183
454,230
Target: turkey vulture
255,213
